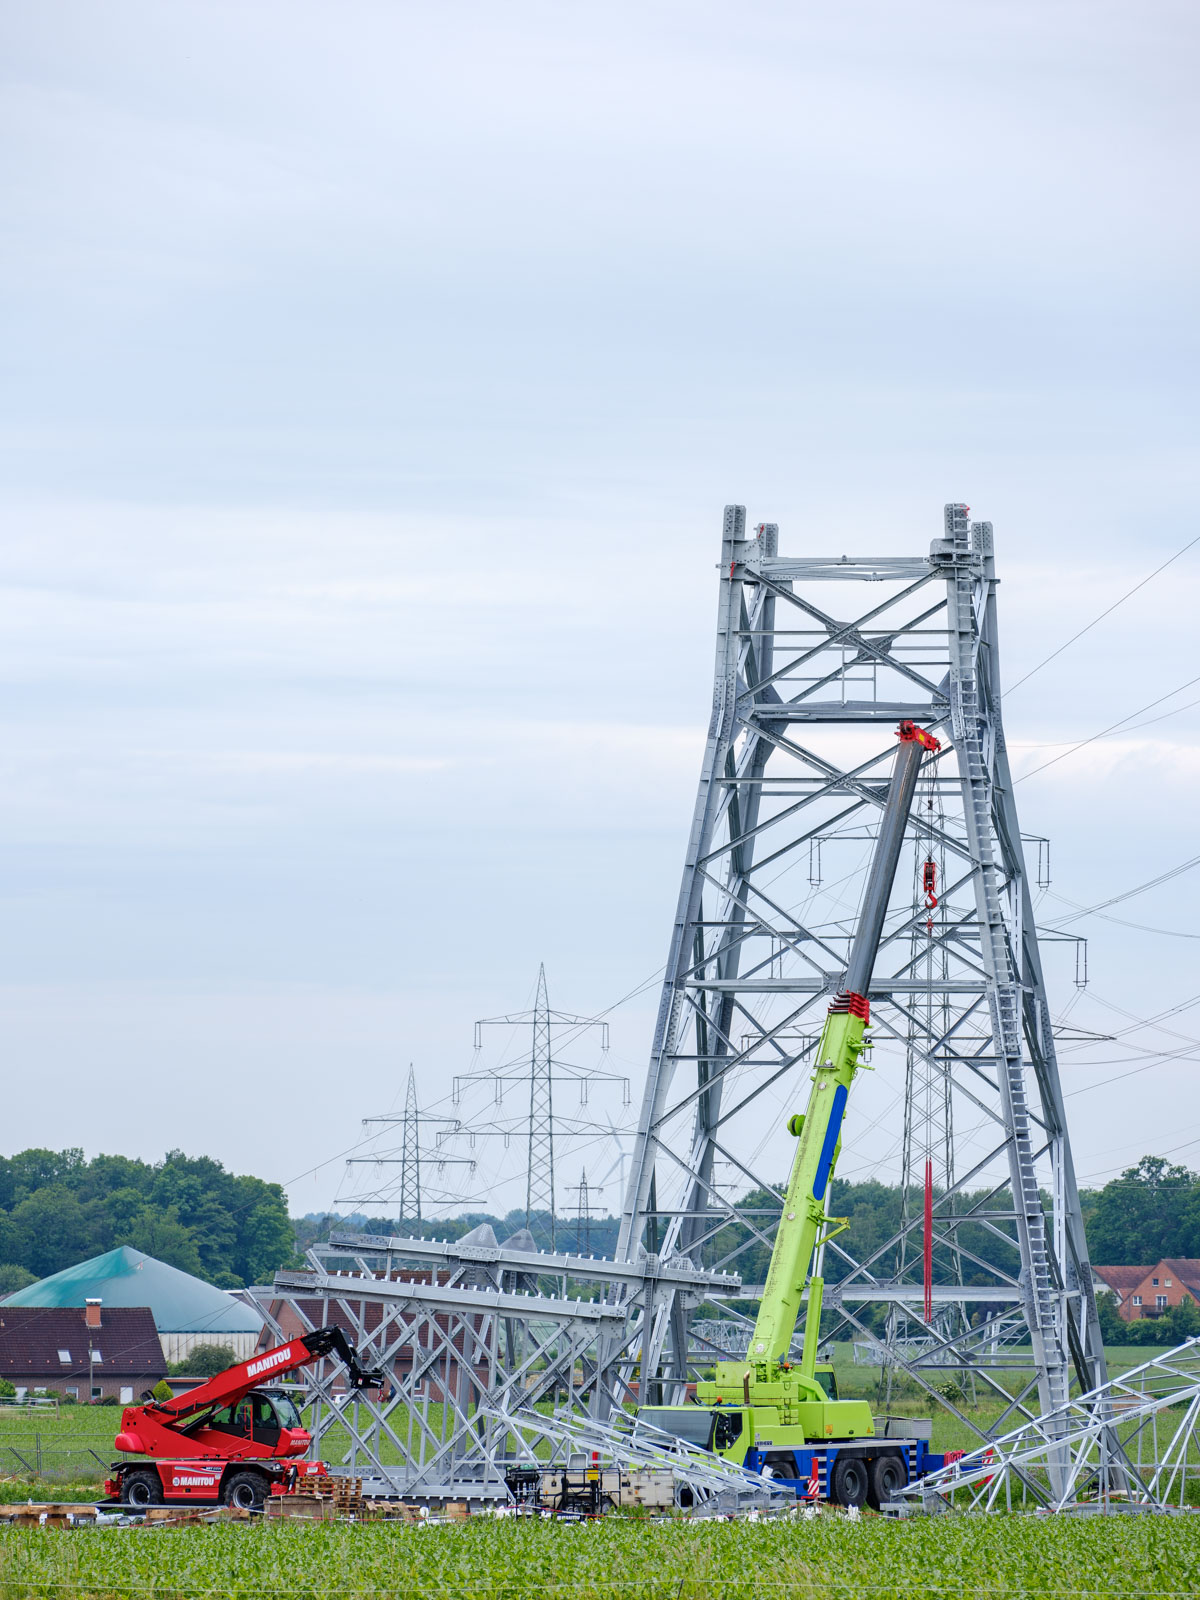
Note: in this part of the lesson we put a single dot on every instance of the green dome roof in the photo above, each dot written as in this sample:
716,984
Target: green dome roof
126,1277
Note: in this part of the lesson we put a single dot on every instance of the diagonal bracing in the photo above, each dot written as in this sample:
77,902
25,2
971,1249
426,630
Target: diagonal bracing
816,659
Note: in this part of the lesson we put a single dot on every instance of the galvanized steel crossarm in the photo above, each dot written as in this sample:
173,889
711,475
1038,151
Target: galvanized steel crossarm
422,1294
543,1263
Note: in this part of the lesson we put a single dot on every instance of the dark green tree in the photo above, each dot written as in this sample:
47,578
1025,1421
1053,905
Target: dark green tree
38,1169
205,1361
162,1235
1113,1330
265,1238
50,1231
1139,1217
1183,1320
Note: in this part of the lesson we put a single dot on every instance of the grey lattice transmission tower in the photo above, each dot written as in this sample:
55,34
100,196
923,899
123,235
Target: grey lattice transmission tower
412,1156
584,1193
540,1071
816,660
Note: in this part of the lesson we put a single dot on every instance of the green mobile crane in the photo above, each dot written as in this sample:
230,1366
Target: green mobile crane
765,1412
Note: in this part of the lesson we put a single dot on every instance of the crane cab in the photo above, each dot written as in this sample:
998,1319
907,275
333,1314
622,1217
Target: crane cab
264,1422
727,1431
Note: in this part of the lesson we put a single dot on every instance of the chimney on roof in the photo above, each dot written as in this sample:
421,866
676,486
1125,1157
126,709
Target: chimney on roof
91,1313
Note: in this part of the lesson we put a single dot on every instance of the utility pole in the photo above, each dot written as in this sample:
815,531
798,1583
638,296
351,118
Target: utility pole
544,1068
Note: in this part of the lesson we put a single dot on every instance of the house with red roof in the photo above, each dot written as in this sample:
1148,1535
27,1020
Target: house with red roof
86,1352
1142,1292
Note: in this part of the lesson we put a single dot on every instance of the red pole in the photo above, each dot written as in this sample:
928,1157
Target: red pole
929,1241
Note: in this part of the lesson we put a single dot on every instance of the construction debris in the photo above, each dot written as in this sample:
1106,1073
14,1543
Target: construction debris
54,1514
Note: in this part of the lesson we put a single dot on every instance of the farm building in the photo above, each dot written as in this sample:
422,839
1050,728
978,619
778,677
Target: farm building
186,1310
1150,1291
85,1352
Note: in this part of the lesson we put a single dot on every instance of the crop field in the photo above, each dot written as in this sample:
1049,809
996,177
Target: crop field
832,1556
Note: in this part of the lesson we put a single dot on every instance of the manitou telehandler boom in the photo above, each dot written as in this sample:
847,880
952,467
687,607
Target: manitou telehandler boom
229,1440
764,1412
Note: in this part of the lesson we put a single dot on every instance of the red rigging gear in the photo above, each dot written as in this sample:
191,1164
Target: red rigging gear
857,1005
228,1439
911,734
929,884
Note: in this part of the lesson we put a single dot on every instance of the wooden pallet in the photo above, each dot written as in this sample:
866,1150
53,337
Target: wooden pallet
346,1493
178,1516
49,1514
301,1507
391,1511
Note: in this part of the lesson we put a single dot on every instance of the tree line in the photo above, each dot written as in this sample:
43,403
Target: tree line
57,1209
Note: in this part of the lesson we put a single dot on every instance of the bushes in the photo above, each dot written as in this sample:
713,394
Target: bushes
1180,1323
205,1361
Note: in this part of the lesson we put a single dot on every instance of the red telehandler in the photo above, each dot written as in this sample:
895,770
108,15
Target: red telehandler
227,1442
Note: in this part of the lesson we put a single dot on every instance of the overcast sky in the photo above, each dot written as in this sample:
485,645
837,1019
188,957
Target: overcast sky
375,378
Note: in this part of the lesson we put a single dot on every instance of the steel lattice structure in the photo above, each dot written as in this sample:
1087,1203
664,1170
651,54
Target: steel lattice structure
817,659
543,1122
1133,1444
413,1155
481,1342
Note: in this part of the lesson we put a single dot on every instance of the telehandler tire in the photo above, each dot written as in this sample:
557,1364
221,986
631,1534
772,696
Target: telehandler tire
141,1489
245,1491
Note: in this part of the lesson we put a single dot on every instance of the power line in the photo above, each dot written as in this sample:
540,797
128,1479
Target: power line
1128,894
1140,927
1114,726
1127,595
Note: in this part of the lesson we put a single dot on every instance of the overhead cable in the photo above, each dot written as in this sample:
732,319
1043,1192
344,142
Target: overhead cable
1114,726
1127,595
1128,894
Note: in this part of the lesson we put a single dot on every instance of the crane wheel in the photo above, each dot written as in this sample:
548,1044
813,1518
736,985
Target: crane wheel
851,1480
889,1474
141,1489
245,1491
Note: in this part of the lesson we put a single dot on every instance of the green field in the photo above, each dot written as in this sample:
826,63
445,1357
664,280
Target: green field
944,1558
74,1446
950,1557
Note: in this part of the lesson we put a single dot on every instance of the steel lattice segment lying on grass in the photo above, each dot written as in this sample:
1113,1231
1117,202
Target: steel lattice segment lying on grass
704,1483
1132,1443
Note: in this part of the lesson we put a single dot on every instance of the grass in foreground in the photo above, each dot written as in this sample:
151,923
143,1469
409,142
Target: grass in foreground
943,1558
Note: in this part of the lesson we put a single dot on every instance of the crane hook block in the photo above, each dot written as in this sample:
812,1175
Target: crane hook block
929,883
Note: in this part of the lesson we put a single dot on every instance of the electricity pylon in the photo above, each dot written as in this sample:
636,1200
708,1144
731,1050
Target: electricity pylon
583,1192
411,1155
540,1127
817,659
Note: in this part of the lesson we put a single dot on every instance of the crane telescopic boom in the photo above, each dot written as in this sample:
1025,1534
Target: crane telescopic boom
819,1129
764,1409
